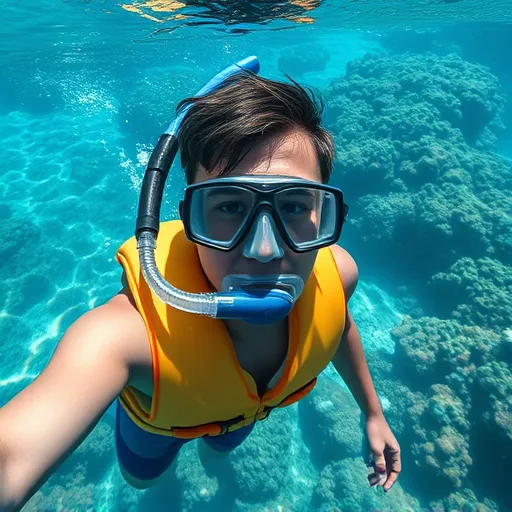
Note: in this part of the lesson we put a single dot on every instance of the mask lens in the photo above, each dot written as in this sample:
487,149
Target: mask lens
219,213
308,214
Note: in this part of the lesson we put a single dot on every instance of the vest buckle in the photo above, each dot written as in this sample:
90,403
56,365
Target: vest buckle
264,414
224,425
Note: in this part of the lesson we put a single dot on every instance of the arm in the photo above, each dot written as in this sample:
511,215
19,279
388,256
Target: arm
349,360
42,425
350,363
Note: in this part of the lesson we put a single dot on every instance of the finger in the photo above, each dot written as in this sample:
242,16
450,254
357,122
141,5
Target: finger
380,462
394,466
379,470
393,460
390,481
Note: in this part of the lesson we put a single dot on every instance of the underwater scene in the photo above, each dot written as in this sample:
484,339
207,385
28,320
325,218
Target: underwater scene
418,97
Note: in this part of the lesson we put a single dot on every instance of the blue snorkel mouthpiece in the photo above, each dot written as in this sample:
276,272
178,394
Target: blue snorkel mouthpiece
261,299
256,308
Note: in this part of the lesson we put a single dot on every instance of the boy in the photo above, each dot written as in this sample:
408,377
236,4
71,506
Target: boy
257,162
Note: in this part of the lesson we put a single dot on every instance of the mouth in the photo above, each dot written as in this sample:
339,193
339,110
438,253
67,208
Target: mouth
262,284
265,288
260,287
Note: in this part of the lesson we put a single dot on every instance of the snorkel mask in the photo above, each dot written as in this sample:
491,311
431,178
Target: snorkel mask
257,299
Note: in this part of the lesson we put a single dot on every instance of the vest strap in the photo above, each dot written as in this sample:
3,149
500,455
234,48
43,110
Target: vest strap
219,428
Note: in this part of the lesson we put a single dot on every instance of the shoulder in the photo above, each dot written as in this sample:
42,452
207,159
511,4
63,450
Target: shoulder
105,340
347,269
136,346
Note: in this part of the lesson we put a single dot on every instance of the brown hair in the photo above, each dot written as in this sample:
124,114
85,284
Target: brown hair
222,126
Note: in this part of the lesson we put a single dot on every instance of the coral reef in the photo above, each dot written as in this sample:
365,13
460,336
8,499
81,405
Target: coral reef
342,486
331,423
458,401
439,431
414,136
475,292
430,350
463,501
260,464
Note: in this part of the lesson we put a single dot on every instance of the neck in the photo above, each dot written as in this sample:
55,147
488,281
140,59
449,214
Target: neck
251,333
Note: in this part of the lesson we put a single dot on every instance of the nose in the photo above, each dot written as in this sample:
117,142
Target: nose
261,242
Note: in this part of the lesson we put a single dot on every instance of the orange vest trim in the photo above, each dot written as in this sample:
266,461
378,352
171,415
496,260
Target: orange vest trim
199,387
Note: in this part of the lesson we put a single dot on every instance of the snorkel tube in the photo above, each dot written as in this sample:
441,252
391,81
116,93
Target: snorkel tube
254,306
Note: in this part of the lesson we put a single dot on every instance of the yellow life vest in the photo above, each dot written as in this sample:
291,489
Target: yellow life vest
199,387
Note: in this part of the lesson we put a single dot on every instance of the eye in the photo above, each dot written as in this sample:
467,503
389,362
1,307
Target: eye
231,208
293,208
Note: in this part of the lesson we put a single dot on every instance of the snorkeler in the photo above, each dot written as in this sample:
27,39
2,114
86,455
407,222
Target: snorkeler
224,315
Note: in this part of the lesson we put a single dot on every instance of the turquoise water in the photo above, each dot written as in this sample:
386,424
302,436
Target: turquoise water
418,97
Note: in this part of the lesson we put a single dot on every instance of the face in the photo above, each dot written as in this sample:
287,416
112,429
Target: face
296,157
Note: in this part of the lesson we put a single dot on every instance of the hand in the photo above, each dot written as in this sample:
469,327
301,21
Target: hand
386,452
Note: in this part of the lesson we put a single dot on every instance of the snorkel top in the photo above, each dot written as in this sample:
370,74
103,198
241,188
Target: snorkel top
254,299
